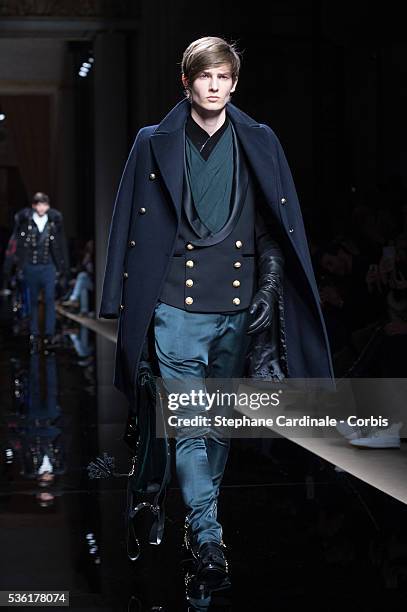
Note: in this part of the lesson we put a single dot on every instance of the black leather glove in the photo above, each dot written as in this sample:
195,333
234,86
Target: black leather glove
270,261
264,300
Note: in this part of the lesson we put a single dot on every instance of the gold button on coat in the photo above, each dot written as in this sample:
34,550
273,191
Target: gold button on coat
132,243
236,283
142,210
189,282
189,263
237,264
152,176
189,300
239,244
190,246
236,301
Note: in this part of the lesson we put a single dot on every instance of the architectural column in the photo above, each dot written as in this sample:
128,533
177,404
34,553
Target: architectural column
111,142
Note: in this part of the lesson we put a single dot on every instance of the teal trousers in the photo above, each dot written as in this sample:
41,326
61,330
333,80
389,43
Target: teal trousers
192,347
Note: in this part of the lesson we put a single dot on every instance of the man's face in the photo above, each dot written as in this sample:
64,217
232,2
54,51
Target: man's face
212,87
41,208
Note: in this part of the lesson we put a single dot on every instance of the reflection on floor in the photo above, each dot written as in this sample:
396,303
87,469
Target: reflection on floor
298,532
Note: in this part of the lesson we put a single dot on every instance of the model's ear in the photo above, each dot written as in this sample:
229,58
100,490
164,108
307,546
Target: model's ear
185,81
234,86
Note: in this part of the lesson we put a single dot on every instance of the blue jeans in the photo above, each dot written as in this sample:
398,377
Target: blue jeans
37,276
83,284
200,345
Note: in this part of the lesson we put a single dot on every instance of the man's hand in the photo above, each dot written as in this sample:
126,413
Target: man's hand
261,306
271,270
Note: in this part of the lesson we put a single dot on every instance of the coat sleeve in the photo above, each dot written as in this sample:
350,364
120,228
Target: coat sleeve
300,243
293,208
63,265
266,244
10,255
117,241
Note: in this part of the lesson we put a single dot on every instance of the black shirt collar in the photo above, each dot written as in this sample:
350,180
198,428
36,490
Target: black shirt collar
201,139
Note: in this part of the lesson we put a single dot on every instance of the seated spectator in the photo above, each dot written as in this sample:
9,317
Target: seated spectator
79,298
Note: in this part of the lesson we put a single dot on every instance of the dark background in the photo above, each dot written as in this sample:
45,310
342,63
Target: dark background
328,77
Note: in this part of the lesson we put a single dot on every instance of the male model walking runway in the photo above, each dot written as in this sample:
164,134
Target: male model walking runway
41,253
208,264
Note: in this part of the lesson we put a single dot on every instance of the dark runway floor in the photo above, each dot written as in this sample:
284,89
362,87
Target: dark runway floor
298,532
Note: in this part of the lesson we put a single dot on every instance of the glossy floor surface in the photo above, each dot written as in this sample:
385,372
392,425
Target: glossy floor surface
299,533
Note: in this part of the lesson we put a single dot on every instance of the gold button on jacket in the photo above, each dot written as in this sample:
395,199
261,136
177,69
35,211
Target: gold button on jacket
189,300
152,176
236,301
239,244
237,264
189,263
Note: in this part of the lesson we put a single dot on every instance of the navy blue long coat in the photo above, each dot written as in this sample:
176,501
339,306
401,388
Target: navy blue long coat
144,228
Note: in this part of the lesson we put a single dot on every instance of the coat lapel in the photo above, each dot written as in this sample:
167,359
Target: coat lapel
168,142
168,147
260,154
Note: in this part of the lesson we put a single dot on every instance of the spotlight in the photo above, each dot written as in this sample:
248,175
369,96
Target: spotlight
2,116
86,66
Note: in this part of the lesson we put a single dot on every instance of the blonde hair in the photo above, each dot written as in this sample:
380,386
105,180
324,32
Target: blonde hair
209,51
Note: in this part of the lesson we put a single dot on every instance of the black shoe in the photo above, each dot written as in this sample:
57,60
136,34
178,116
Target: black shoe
212,565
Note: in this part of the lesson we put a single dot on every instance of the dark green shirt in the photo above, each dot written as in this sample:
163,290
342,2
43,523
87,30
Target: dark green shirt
210,172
